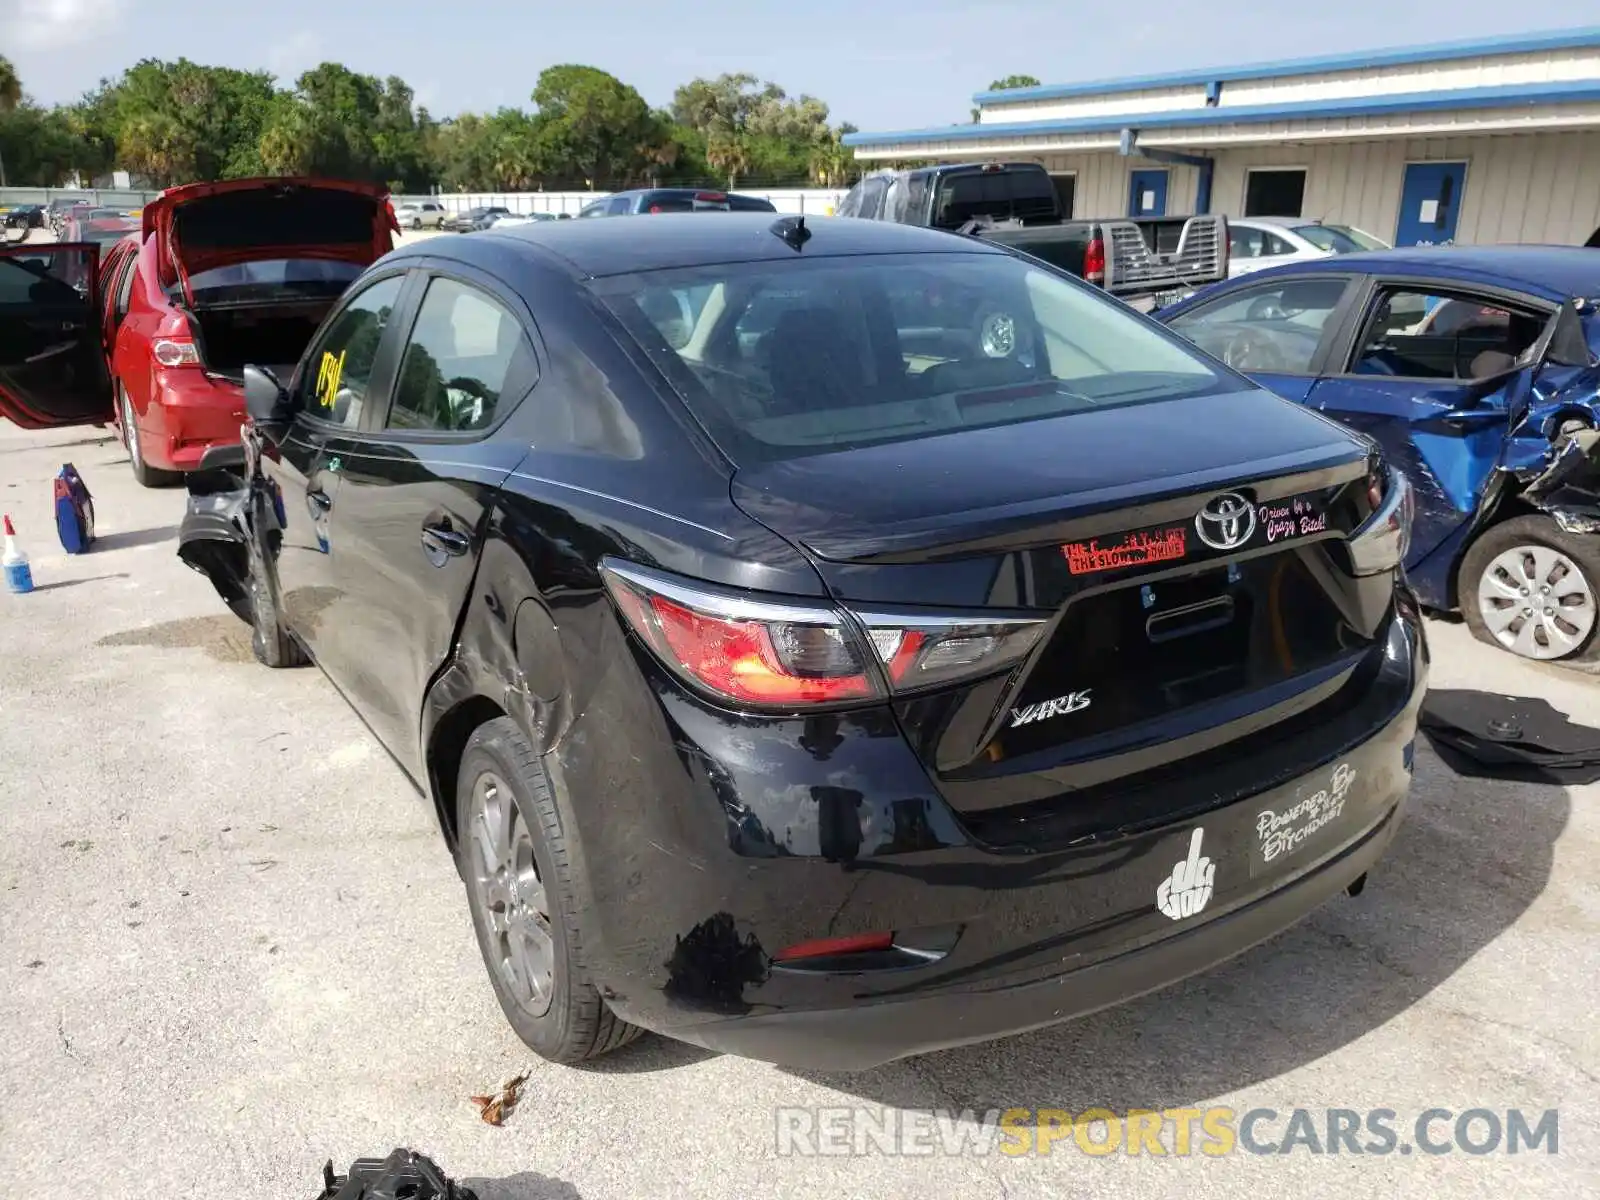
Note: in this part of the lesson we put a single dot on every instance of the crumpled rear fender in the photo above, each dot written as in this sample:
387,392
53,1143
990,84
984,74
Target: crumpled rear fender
1553,453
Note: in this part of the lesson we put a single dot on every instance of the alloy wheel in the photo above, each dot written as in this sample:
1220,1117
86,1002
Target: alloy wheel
1537,602
130,429
510,895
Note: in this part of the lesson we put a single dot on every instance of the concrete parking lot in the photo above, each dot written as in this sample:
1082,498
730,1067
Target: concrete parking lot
234,946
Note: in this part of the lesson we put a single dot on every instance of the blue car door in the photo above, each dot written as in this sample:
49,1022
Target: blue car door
1431,376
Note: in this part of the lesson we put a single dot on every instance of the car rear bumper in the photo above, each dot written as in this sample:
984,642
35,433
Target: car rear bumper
191,412
857,1038
705,844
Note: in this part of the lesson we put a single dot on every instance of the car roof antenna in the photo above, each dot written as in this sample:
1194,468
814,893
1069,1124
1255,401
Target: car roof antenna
793,231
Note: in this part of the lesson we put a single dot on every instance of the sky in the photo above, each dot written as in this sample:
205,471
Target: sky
879,64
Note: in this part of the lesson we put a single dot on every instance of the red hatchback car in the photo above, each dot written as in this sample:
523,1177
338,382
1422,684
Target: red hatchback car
155,339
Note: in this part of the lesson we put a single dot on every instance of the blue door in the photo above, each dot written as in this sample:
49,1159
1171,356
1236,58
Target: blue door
1430,204
1147,194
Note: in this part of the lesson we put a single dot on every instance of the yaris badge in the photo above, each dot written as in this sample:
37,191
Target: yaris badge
1226,522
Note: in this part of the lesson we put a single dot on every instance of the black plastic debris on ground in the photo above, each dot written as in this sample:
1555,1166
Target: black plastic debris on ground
1490,736
404,1175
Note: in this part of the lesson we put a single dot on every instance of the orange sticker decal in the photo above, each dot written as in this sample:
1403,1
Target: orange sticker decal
1134,550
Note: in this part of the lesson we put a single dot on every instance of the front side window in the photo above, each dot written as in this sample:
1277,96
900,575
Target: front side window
338,372
789,358
1275,327
466,359
1415,334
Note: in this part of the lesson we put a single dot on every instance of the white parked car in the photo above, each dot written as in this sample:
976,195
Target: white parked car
424,214
1258,242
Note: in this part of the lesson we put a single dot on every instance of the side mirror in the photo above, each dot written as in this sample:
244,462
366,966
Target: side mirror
265,400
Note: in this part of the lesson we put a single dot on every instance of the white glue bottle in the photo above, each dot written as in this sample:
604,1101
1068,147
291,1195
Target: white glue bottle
15,563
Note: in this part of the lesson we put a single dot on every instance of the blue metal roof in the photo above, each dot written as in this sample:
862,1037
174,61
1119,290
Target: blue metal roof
1507,96
1554,273
1525,43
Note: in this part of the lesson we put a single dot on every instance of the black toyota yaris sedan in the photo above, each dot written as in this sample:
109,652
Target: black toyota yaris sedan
826,641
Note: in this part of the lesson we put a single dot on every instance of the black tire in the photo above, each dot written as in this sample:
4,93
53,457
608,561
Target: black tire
271,643
416,222
577,1024
1581,551
143,472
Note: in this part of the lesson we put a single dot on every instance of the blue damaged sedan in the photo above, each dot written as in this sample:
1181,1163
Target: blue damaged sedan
1475,369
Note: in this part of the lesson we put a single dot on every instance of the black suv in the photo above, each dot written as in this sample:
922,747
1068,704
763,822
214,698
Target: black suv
821,641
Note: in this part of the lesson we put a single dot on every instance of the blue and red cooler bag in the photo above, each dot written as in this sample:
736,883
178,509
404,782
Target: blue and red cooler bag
74,511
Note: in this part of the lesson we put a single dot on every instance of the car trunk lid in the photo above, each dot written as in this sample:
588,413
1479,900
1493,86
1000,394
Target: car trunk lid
1167,632
204,226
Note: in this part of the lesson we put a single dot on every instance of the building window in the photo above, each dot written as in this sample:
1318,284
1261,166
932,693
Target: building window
1275,193
1066,192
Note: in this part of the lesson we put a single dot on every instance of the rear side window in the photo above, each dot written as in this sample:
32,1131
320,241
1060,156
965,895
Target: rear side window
467,356
998,195
784,359
1419,335
338,371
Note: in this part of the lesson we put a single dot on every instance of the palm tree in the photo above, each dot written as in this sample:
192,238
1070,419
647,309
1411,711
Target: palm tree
10,97
727,153
10,86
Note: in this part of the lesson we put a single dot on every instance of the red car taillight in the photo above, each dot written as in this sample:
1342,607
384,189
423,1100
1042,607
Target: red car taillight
175,352
786,653
1094,262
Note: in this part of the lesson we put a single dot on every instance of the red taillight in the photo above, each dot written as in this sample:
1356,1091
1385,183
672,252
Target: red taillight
655,208
1094,262
786,653
175,352
861,943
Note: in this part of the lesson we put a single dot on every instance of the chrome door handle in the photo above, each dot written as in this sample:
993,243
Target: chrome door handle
443,540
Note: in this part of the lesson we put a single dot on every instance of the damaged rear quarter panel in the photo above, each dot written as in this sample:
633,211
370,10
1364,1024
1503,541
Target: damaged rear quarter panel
1554,451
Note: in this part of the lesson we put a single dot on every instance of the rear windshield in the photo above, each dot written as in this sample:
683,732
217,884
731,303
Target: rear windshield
998,195
750,204
784,359
272,279
275,217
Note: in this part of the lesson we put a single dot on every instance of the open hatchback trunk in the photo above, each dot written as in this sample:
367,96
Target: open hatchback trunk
257,263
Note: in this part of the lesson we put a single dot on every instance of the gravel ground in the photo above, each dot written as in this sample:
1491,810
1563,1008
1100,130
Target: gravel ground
234,946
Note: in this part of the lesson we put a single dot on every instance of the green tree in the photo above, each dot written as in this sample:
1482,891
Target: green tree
594,124
1007,84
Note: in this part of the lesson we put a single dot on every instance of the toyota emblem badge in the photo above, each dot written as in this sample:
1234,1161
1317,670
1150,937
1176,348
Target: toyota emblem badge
1226,522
